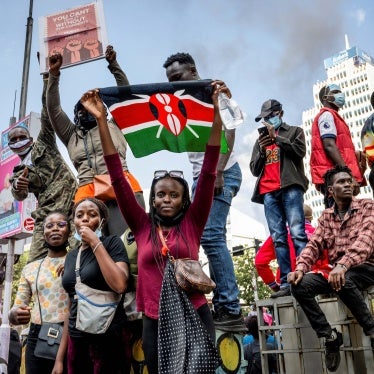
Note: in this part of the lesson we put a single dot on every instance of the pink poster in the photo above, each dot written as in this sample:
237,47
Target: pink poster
15,216
79,34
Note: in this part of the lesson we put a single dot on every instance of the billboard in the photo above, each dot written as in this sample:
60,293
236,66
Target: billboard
15,216
354,52
78,34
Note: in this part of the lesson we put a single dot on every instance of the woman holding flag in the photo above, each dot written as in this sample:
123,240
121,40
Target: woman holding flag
174,225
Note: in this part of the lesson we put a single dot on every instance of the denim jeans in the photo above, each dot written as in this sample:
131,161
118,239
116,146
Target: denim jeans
214,244
282,207
356,279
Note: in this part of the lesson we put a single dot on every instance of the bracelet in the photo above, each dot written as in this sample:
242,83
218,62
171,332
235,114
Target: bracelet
343,266
96,246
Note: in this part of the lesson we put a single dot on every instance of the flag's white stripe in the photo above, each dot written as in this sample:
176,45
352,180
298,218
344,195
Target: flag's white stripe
192,98
159,131
146,125
194,133
140,126
142,100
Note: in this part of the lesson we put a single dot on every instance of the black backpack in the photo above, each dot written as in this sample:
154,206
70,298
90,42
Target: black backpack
253,355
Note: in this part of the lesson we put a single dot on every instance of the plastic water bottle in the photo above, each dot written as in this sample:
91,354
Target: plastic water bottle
230,112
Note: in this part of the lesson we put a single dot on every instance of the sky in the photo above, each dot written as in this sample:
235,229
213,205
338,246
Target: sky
262,49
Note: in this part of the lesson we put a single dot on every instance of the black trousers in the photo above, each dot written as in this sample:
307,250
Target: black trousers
36,365
357,279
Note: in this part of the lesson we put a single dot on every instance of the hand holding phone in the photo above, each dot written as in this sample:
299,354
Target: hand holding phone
263,131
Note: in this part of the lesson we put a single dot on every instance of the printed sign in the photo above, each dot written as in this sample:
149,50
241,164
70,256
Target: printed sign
78,34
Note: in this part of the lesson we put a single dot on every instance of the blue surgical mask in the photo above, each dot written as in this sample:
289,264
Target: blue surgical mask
275,121
79,238
339,99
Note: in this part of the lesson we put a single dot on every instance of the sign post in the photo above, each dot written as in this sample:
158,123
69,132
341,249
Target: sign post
5,327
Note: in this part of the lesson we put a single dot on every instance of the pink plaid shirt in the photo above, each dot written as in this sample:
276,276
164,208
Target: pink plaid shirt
349,242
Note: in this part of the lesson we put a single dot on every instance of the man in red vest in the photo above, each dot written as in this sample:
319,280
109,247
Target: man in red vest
367,141
331,141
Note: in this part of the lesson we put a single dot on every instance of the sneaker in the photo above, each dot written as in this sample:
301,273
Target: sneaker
332,355
286,291
275,288
228,322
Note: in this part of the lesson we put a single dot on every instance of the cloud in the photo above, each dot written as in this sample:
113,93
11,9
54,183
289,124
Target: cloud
359,15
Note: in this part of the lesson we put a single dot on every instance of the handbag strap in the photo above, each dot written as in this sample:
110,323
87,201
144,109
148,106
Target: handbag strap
37,291
165,249
77,265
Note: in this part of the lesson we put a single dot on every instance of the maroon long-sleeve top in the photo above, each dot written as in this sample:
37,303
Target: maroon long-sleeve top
151,263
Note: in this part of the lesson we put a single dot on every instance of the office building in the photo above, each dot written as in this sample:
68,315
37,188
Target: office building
353,70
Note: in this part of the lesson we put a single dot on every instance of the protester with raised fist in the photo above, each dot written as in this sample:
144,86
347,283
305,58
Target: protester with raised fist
43,172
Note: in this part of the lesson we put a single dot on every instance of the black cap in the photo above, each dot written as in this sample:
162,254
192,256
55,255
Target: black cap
268,107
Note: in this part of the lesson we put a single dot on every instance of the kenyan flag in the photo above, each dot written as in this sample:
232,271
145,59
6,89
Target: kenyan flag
174,116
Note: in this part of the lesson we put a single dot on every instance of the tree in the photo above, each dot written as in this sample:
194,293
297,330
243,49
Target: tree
247,277
17,269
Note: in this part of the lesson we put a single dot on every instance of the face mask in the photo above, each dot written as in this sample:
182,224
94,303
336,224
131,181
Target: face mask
58,248
77,236
275,122
97,232
82,119
21,147
339,99
86,121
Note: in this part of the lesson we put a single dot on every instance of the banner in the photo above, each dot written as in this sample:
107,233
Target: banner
15,216
175,116
78,34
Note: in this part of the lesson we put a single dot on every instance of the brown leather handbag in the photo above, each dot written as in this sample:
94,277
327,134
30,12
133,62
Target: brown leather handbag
190,276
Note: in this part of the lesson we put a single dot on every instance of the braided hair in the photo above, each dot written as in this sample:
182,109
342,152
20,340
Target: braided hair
103,210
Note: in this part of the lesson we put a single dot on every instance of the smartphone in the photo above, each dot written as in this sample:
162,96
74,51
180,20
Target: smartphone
263,131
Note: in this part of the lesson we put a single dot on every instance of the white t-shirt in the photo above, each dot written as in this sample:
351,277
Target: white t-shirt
197,158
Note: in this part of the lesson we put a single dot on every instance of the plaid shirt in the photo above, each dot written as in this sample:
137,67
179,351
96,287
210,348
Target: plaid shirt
349,242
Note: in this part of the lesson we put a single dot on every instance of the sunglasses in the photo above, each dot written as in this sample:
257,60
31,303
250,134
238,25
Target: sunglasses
272,115
172,173
51,225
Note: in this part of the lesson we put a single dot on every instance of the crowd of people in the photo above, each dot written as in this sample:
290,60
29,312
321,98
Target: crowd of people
87,249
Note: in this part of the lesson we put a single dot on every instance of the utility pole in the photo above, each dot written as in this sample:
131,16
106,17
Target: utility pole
5,327
26,64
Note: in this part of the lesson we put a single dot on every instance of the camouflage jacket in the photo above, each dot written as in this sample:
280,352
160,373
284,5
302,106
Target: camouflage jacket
51,180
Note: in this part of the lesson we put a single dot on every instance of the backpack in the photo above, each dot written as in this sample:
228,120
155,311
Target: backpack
132,253
252,354
129,303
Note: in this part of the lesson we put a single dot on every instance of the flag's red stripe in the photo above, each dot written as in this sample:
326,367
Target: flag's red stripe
196,111
134,114
137,113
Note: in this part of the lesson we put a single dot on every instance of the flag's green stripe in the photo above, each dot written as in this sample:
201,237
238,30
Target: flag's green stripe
144,142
